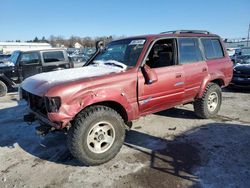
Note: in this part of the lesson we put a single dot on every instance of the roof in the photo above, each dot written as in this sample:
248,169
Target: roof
177,33
23,44
41,49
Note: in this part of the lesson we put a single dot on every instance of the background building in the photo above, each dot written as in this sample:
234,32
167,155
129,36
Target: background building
9,47
237,43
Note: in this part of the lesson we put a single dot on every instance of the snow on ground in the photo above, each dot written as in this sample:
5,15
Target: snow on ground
172,148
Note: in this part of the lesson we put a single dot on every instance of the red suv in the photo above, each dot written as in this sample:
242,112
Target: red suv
125,80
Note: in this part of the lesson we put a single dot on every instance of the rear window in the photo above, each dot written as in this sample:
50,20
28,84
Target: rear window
212,48
189,50
53,56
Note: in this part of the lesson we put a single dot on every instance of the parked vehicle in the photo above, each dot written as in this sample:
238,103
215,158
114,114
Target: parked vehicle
4,57
23,64
241,73
125,80
241,54
231,51
79,59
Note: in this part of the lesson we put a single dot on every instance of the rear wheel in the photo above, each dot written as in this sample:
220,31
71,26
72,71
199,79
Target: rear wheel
3,89
96,135
209,105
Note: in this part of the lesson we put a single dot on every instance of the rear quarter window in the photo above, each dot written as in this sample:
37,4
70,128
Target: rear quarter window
53,56
212,48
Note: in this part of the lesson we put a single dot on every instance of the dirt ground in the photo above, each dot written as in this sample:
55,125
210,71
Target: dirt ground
172,149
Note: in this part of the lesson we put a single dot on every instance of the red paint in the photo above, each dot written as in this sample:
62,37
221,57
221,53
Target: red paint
130,91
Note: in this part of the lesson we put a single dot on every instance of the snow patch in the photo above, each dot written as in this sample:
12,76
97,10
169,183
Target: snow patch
49,79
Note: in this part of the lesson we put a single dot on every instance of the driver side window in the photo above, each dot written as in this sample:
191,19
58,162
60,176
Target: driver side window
162,54
29,58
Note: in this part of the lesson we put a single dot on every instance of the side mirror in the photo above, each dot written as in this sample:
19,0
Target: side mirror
149,74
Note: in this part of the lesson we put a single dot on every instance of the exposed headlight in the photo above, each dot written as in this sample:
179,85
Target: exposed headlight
52,104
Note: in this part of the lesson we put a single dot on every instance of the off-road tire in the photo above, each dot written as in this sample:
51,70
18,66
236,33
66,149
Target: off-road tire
83,124
201,108
3,89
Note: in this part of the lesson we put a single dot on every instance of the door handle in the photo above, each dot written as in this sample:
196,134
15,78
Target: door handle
178,76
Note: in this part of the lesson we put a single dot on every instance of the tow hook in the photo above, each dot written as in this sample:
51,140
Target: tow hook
42,130
29,118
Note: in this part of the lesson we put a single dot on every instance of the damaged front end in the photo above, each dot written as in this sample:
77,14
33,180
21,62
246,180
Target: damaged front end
39,109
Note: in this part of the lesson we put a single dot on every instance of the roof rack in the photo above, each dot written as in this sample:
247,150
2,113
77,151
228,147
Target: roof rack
187,31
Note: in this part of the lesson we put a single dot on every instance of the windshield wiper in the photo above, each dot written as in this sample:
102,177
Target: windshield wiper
109,63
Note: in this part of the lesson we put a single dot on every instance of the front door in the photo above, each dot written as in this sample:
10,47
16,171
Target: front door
168,90
30,64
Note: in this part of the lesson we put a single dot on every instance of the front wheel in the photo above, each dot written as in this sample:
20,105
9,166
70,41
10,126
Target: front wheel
96,135
3,89
209,105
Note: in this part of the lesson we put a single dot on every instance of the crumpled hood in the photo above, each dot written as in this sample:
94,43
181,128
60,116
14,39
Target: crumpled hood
39,84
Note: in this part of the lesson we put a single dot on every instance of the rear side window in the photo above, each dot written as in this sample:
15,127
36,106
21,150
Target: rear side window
53,56
189,50
212,48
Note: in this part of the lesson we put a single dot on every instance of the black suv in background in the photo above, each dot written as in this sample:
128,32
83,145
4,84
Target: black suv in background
241,55
23,64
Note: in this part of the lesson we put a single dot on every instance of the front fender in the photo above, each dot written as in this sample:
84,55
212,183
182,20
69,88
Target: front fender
6,80
69,110
116,96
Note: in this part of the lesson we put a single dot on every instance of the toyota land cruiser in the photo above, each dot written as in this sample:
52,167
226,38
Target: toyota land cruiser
125,80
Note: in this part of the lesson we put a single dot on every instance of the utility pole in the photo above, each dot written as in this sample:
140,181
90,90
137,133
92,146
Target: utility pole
248,34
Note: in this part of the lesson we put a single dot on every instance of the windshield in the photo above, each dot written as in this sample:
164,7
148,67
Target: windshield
245,51
123,52
14,56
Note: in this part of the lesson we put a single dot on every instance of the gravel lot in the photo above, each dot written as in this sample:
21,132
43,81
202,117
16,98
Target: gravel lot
172,148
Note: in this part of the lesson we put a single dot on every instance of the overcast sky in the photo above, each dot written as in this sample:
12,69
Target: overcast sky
25,19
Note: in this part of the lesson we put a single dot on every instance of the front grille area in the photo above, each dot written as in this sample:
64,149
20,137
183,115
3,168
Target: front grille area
36,103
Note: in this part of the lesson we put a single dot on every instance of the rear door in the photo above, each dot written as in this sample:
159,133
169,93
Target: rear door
194,67
54,60
30,64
